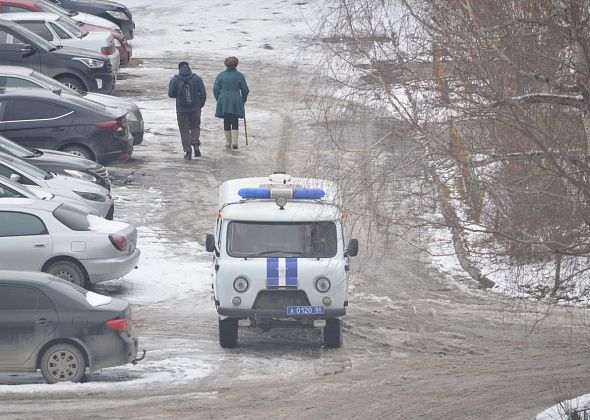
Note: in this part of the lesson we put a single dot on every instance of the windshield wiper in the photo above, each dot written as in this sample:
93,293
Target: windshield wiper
263,253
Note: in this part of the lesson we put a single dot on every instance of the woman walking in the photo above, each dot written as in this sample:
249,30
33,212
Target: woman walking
231,92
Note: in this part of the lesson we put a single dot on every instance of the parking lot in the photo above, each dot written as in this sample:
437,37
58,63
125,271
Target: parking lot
416,342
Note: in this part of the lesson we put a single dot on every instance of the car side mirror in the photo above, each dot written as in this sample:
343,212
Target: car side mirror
353,248
27,50
210,243
15,177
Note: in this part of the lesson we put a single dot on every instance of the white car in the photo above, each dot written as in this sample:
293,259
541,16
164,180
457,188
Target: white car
62,31
41,235
11,189
81,18
88,193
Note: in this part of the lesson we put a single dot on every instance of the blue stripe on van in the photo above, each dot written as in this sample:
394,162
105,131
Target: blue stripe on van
291,280
272,273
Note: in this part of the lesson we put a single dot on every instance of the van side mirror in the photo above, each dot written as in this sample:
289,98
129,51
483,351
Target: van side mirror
27,50
15,177
210,243
353,248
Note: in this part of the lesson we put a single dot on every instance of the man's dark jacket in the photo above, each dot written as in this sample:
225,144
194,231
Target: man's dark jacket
185,73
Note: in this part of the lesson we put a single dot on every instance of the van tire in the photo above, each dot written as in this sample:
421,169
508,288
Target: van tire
333,333
228,333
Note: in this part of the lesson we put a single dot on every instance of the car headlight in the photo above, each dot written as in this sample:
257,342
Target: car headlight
132,117
80,175
91,63
241,284
322,285
91,196
117,15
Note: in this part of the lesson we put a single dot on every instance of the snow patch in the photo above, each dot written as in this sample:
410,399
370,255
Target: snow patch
95,299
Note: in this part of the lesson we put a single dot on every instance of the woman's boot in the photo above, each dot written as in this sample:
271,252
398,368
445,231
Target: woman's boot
234,139
227,139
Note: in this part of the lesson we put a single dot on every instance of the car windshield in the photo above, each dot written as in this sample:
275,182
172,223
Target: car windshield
71,26
48,7
14,149
25,167
39,41
72,218
54,84
304,239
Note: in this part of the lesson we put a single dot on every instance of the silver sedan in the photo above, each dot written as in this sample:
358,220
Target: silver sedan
41,235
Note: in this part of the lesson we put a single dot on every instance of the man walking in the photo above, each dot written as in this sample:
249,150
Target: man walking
189,91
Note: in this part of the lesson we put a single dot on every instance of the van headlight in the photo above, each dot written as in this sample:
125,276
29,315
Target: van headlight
241,284
91,196
322,285
80,175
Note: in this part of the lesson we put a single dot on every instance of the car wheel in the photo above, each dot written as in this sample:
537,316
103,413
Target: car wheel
73,83
68,271
228,333
78,151
62,363
333,333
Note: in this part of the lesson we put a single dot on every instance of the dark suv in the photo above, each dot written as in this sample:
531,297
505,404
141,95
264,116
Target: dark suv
37,118
71,66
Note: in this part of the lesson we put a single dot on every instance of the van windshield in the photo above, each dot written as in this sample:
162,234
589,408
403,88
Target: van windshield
303,239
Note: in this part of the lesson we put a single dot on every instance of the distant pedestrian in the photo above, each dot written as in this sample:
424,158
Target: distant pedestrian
231,92
189,91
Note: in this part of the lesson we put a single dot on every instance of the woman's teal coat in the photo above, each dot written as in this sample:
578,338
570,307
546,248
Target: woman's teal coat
230,91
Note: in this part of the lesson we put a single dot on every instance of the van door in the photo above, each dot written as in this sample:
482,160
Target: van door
12,48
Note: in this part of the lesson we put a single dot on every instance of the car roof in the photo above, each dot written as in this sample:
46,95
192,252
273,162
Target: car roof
19,2
8,23
18,70
38,16
8,204
35,93
32,277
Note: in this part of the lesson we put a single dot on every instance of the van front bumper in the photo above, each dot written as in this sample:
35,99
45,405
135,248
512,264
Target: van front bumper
277,314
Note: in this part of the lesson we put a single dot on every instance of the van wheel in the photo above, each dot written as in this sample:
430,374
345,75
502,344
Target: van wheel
228,333
73,83
78,151
61,363
333,333
68,271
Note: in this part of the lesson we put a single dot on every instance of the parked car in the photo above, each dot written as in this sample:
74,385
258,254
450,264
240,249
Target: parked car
84,70
110,10
52,120
64,32
88,22
23,77
11,189
49,325
56,238
59,163
90,194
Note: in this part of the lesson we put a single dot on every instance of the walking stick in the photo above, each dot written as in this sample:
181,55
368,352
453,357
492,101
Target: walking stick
245,127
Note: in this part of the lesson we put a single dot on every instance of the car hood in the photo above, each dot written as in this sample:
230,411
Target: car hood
67,160
104,4
68,52
89,19
112,101
65,186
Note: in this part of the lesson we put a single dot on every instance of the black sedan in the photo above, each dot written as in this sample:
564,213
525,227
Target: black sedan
59,163
49,324
109,10
37,118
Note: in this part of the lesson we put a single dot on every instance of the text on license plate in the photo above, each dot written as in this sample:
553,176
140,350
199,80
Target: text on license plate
305,310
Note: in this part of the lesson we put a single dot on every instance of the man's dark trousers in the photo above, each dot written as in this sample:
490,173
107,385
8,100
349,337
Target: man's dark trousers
189,124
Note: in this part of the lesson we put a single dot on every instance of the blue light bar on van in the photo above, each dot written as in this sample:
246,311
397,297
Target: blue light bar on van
297,194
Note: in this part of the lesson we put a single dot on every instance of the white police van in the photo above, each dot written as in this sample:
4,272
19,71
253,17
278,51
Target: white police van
280,257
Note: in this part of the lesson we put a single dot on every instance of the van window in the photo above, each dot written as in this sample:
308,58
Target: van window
304,239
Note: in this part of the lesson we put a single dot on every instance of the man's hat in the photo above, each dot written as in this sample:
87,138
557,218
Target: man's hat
183,63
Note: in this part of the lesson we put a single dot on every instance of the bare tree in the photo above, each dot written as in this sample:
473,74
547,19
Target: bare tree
481,109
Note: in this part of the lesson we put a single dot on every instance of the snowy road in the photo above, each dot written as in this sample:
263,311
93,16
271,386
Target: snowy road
416,343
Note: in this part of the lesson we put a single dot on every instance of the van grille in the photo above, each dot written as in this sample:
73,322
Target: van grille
280,299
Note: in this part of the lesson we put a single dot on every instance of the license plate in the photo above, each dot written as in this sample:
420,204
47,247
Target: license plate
305,310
